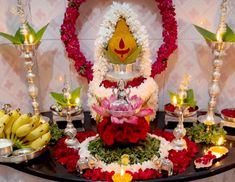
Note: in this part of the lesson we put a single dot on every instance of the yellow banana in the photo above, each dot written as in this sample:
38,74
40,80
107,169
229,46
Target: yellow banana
2,112
15,115
35,120
3,122
24,130
22,120
2,135
41,141
37,132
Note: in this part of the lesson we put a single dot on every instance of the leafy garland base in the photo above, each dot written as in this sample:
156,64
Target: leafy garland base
141,155
69,157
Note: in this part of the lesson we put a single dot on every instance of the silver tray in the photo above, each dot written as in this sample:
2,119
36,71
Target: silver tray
176,114
63,113
23,157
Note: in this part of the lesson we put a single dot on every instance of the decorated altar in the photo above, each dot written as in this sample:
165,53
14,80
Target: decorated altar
134,107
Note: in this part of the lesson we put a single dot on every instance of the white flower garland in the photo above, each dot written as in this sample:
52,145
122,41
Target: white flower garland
148,89
165,146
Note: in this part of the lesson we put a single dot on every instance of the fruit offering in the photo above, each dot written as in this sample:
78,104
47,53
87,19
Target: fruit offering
24,130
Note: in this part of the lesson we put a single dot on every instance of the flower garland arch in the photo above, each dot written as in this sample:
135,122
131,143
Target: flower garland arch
84,66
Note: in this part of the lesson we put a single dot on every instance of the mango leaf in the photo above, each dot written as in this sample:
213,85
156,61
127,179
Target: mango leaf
19,36
208,36
113,58
132,58
40,33
59,98
74,95
11,38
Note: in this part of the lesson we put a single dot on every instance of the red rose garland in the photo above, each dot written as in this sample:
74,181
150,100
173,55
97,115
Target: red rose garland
68,157
84,67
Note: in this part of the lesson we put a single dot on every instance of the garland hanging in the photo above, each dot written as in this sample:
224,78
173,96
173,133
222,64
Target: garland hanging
84,66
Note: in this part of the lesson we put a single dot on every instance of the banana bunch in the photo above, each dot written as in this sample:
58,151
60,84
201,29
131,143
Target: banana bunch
24,130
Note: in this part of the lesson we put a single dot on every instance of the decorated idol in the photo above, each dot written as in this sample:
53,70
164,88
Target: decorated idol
122,95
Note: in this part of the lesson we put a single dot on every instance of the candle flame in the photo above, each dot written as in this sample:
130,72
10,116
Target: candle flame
220,141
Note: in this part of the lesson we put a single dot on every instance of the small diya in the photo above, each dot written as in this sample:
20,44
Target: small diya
218,151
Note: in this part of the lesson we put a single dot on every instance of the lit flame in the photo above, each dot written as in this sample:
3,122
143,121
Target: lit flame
219,36
77,101
122,172
31,39
220,141
174,100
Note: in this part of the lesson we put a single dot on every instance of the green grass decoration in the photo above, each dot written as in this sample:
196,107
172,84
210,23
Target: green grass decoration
143,151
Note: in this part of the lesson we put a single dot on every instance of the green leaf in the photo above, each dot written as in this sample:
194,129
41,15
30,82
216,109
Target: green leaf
19,36
132,58
172,95
75,94
113,58
10,38
31,31
40,33
190,99
229,36
59,98
209,36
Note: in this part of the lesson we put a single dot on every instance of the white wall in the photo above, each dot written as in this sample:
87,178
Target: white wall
193,55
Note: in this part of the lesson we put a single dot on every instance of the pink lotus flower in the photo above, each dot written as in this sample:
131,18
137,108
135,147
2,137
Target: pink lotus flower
120,114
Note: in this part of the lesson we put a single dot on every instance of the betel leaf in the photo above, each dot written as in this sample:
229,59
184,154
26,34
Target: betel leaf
209,36
112,57
132,58
11,38
40,33
59,98
75,94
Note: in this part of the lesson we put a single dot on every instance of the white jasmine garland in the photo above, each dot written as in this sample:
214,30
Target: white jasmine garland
148,89
164,147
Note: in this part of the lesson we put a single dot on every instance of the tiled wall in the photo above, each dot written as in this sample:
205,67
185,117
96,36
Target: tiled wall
193,55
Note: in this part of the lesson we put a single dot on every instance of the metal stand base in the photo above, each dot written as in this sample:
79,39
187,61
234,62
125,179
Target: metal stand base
72,143
179,144
215,119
